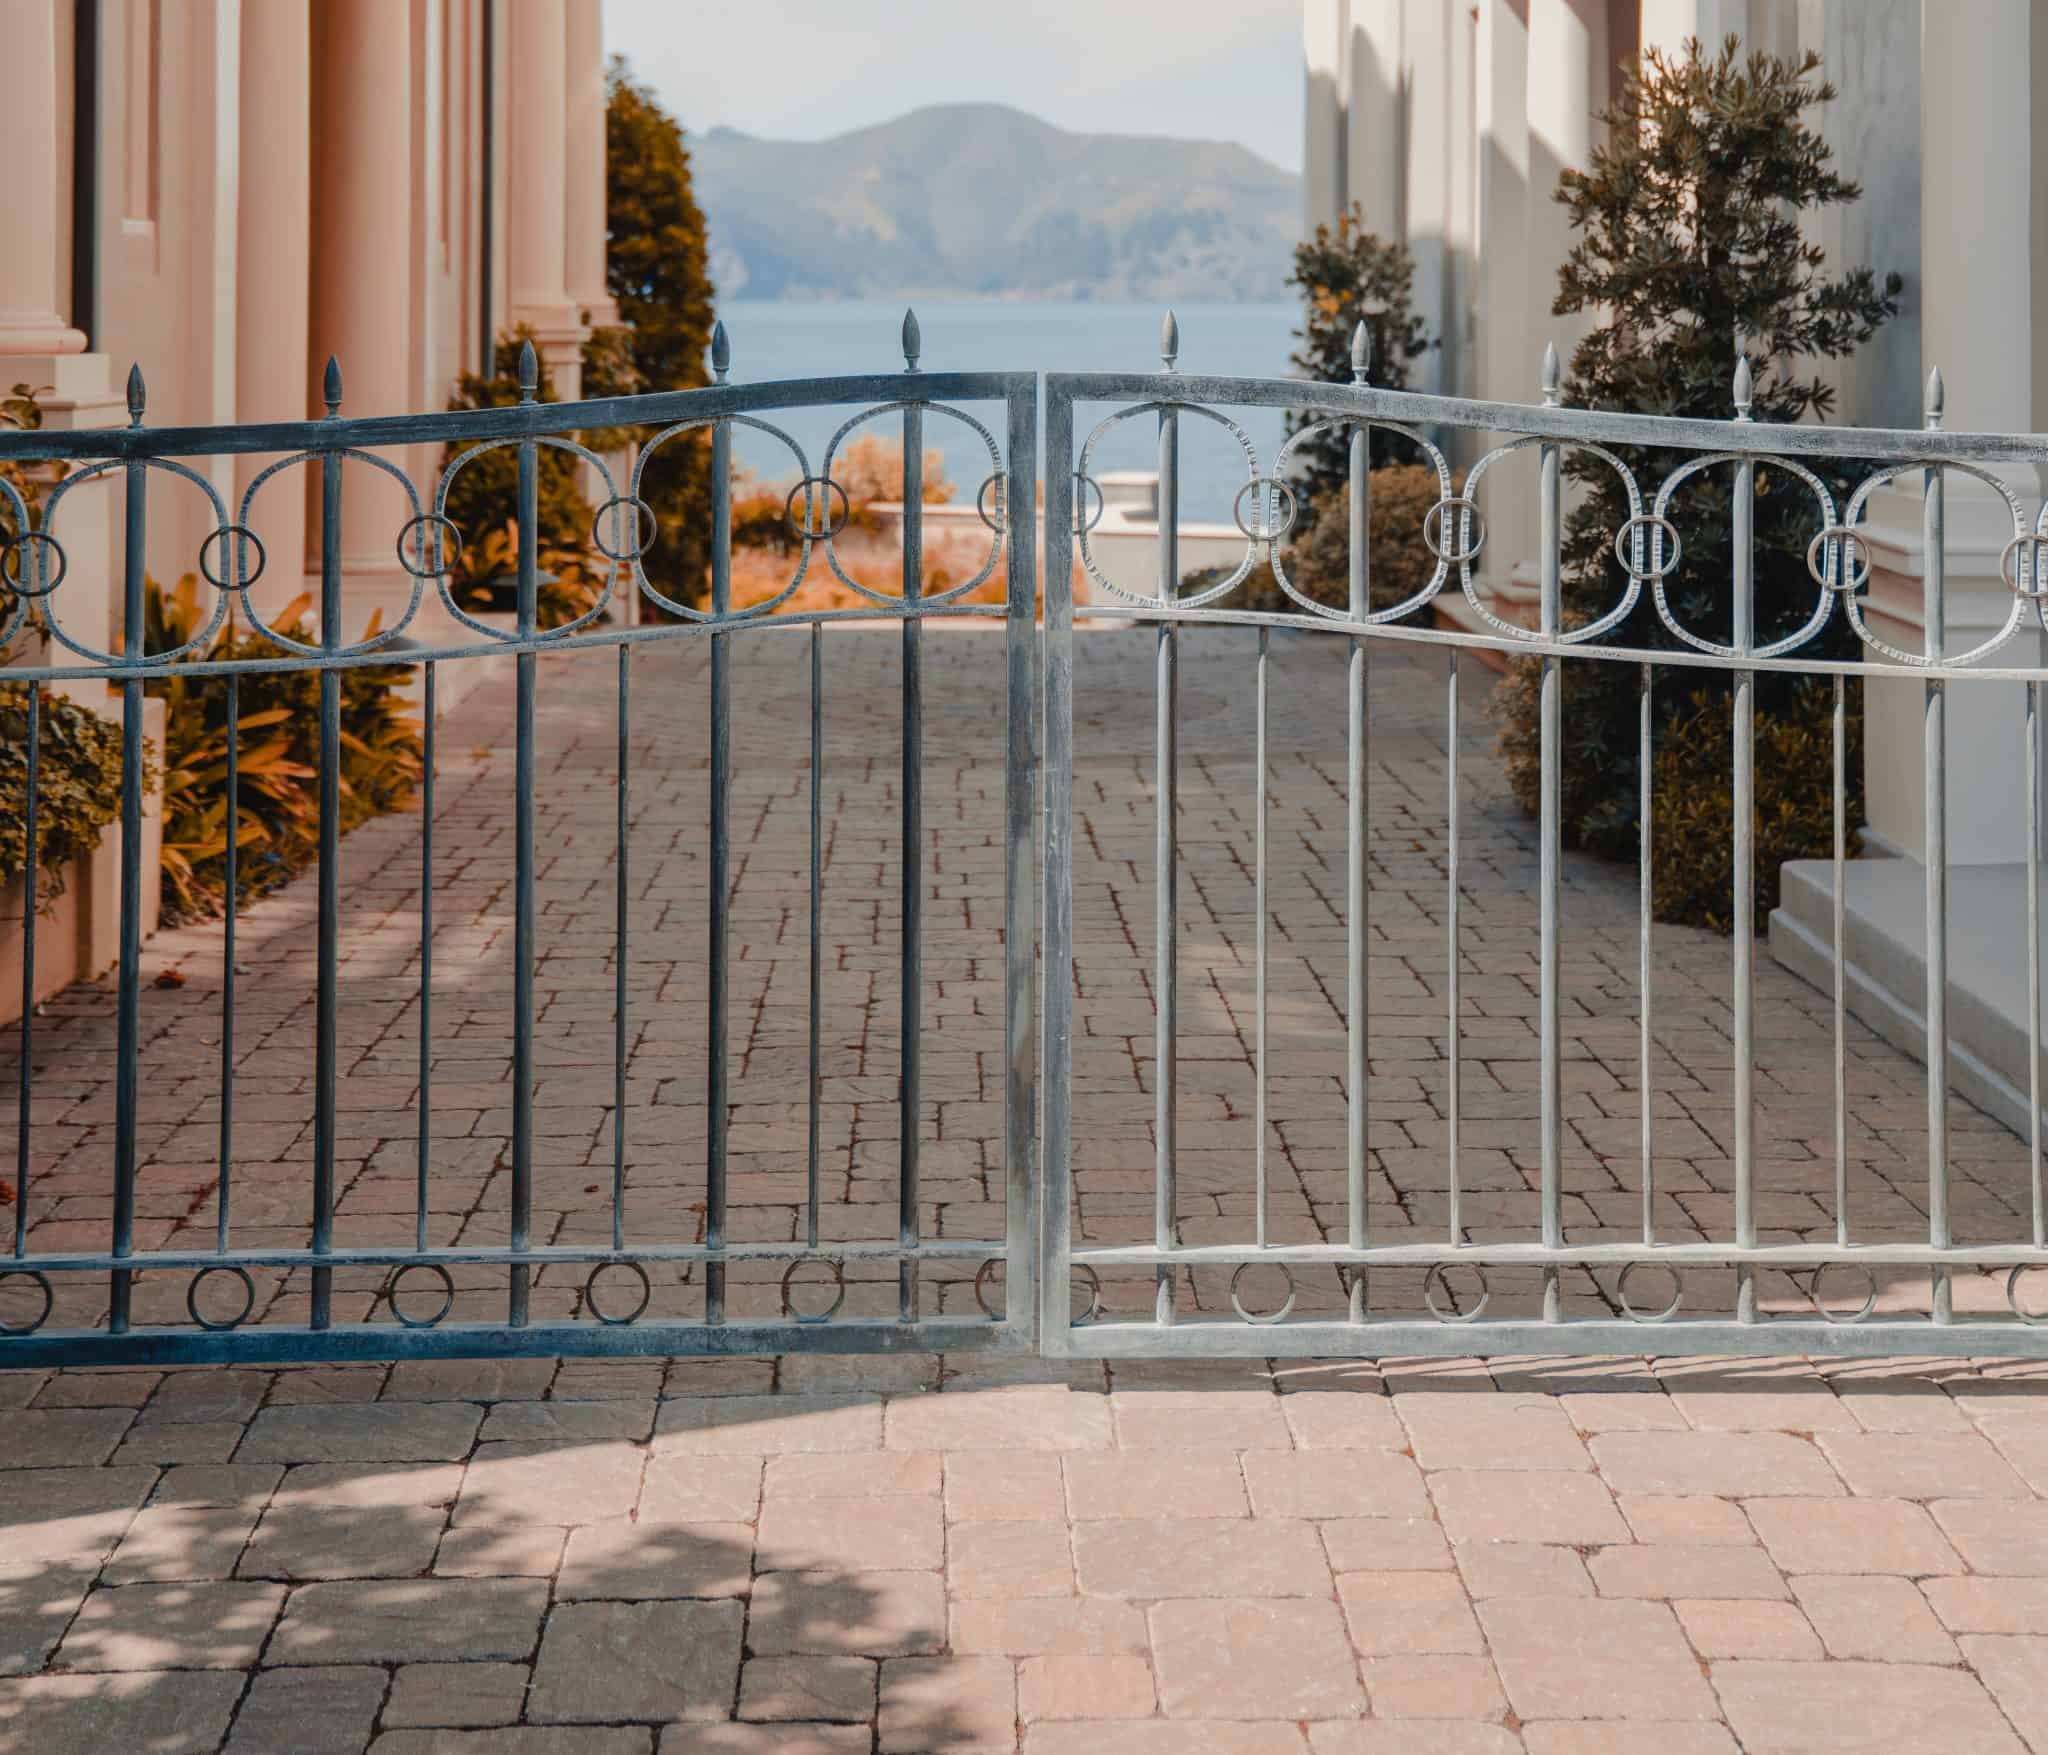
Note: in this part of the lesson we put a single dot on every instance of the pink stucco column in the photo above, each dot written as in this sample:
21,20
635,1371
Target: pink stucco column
273,255
362,270
537,220
30,322
583,167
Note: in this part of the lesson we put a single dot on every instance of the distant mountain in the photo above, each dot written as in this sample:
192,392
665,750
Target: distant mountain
982,201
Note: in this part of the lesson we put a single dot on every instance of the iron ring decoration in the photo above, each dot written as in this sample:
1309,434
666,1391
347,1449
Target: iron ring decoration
1094,1306
685,612
806,531
1845,579
1083,485
49,1300
2035,541
421,1267
646,529
1000,522
237,532
1285,1310
831,1310
1265,485
448,475
1820,1309
1653,521
423,522
1668,1312
597,1310
206,1273
1430,587
2033,1318
1436,1277
981,1279
913,590
12,578
1436,516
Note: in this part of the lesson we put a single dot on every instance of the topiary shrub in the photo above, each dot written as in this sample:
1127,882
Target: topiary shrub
78,783
1689,248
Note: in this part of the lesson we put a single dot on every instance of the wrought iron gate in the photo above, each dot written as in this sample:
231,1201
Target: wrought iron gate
1494,1265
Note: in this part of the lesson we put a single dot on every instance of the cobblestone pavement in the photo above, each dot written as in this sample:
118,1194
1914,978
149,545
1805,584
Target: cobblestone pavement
915,1554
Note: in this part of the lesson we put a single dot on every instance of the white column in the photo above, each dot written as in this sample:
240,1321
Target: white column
537,214
1325,125
1978,303
1427,44
30,323
1372,88
583,172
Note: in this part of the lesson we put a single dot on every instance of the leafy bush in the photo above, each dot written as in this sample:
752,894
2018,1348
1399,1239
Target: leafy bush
1319,563
1689,248
78,783
278,725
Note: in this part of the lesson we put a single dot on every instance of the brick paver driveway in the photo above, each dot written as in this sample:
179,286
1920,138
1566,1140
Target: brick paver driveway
918,1554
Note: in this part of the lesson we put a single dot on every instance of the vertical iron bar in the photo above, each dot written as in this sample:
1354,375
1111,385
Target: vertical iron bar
2033,952
1934,611
1259,940
719,875
525,901
1357,891
223,1191
326,1035
911,1050
1645,901
1840,730
1020,995
1744,834
1166,852
431,713
814,1077
619,951
1551,758
1454,1045
28,969
1056,1211
128,1026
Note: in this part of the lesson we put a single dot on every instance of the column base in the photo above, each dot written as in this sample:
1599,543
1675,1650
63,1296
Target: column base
1885,952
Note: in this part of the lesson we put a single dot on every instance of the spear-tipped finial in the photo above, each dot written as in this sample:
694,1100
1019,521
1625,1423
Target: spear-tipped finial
1169,339
1553,376
913,340
138,395
1744,387
330,385
721,351
529,372
1361,352
1937,400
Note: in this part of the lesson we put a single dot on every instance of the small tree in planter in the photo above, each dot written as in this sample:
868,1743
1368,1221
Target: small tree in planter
1689,247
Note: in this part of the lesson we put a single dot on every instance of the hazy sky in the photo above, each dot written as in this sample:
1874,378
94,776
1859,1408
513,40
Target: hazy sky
806,69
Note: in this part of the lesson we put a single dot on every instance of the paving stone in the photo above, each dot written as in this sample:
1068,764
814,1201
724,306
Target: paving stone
1747,1629
1047,1627
568,1423
1823,1709
853,1475
1239,1659
2015,1670
879,1614
170,1626
1147,1483
1170,1419
1389,1544
1671,1570
1402,1613
1732,1464
1915,1465
1526,1506
813,1688
456,1694
37,1603
1511,1431
997,1486
701,1489
1206,1557
311,1712
547,1483
495,1551
1851,1535
1694,1519
1578,1657
1995,1536
1303,1484
410,1620
1522,1569
1019,1417
781,1739
1342,1420
963,1703
767,1425
601,1662
1162,1737
1885,1619
192,1442
519,1740
94,1389
300,1541
208,1394
1067,1686
1988,1605
167,1542
381,1432
640,1559
1009,1560
61,1437
1628,1739
900,1533
468,1380
68,1517
1434,1686
178,1712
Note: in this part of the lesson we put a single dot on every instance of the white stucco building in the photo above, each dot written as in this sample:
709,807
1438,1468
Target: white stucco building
1449,122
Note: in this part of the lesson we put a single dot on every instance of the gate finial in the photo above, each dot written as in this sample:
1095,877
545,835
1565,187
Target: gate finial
1744,387
529,372
913,341
1361,352
1937,400
330,386
721,351
138,394
1553,378
1169,339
